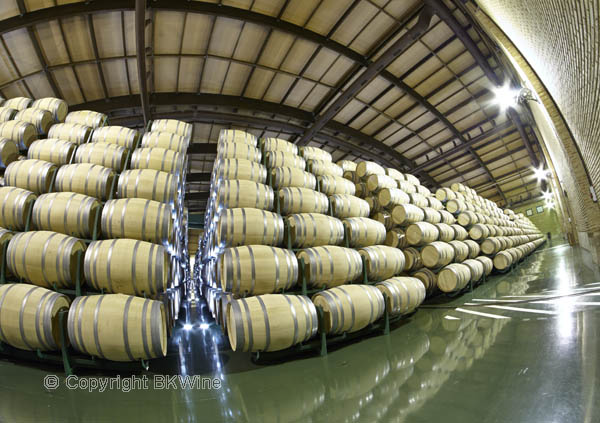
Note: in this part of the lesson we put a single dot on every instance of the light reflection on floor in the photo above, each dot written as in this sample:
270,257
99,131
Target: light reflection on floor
515,350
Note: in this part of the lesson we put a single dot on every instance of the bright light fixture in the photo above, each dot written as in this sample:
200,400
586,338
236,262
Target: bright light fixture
187,326
547,195
506,97
540,173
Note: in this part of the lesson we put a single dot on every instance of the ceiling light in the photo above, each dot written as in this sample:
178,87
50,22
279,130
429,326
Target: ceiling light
547,195
540,173
506,97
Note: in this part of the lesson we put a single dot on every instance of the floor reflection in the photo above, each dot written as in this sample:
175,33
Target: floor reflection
516,364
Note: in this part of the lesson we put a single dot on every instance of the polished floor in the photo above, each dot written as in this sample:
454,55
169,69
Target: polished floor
523,348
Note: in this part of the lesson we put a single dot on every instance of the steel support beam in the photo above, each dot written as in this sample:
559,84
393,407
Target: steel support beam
372,70
459,148
445,14
140,43
374,149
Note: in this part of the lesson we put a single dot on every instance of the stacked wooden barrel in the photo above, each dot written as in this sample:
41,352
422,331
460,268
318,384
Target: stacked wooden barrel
502,237
81,221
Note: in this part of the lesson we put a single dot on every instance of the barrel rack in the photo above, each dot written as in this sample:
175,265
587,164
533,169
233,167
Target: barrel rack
67,356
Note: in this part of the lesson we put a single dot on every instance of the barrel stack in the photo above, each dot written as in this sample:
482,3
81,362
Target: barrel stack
502,236
79,219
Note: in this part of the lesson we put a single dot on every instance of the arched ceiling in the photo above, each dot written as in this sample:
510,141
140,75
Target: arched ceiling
408,83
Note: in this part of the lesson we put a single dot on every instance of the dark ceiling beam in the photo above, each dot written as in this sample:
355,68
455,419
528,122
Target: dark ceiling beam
90,20
487,162
197,195
483,144
372,70
198,177
140,43
202,148
445,14
39,53
373,149
520,172
461,147
530,199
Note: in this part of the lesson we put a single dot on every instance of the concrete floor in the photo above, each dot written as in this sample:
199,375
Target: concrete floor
506,359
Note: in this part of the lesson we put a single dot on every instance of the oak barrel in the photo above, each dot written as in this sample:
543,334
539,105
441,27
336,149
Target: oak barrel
476,268
149,184
324,167
330,266
247,226
87,118
14,207
314,153
137,218
234,135
473,248
85,178
44,258
479,231
313,230
42,120
407,187
446,232
382,262
270,322
396,238
434,203
428,278
421,233
363,232
347,165
376,183
29,316
453,277
18,103
240,169
57,107
503,260
236,193
166,140
9,152
460,233
292,177
346,205
51,150
6,114
461,250
385,218
330,185
127,266
72,132
118,327
402,294
405,214
447,217
413,259
22,133
236,150
445,194
349,308
365,168
278,144
437,254
282,159
302,200
390,197
158,159
112,156
30,174
120,135
431,215
257,269
66,212
395,174
175,126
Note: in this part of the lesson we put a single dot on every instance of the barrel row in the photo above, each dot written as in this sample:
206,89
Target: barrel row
113,327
